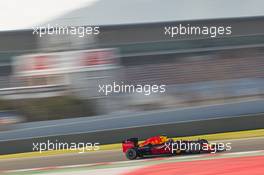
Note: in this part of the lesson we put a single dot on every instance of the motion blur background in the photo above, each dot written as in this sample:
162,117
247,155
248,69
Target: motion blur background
49,85
37,82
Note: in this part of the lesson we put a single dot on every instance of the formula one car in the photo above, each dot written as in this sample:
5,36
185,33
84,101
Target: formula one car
161,145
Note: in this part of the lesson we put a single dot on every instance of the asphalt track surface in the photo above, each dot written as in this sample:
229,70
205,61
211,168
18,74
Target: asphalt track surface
239,145
122,121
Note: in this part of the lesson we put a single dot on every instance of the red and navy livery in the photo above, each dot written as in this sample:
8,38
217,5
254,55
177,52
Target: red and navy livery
161,145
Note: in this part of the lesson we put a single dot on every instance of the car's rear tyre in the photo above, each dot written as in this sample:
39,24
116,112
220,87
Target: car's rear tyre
131,154
203,141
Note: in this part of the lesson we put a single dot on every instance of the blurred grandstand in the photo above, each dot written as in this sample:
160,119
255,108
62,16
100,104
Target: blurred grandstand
196,69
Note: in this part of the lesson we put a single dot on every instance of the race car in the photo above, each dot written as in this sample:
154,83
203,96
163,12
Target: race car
162,145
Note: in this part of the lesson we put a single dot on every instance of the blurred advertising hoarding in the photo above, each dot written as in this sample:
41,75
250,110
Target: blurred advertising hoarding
78,71
64,62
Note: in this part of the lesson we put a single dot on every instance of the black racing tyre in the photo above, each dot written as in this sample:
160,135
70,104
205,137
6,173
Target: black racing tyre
203,141
177,152
131,154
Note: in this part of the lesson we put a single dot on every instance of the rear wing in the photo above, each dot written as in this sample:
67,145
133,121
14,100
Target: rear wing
129,143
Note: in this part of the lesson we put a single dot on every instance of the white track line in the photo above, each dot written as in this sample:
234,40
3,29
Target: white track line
133,161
